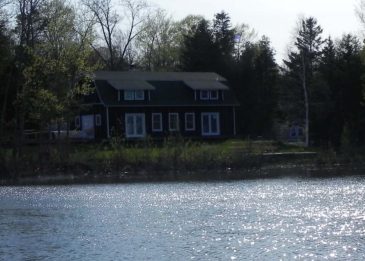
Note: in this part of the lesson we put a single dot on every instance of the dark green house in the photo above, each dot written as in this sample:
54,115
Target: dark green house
158,104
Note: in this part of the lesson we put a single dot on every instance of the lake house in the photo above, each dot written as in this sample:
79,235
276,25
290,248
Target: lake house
158,104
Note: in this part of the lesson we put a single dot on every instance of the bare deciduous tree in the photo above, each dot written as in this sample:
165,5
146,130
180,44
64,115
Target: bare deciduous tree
107,20
117,31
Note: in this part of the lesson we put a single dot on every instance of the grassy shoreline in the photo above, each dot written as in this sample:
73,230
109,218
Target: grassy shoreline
172,159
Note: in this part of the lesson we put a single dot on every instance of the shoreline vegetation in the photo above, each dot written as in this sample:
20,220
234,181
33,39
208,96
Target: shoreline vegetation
173,159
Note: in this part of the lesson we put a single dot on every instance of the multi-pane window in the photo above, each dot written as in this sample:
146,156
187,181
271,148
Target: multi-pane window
135,125
190,121
173,121
156,121
133,95
209,95
210,123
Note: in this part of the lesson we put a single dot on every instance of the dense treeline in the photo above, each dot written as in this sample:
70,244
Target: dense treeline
48,48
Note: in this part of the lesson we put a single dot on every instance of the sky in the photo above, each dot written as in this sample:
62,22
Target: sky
276,19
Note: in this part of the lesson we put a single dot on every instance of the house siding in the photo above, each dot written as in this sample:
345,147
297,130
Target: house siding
117,121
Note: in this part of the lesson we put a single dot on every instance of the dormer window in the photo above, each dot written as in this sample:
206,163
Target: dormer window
133,95
204,95
213,95
209,95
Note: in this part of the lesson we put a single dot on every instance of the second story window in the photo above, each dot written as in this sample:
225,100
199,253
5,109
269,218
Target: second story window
209,95
133,95
204,95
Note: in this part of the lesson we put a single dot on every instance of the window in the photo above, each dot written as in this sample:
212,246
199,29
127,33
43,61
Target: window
209,95
77,122
132,95
204,95
97,120
190,121
135,125
214,95
210,123
156,121
173,121
139,95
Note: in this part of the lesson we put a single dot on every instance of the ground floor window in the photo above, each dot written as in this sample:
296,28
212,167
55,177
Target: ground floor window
97,120
135,125
173,121
210,123
189,121
156,121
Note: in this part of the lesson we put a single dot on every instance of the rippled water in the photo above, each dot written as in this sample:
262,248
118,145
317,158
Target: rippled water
263,219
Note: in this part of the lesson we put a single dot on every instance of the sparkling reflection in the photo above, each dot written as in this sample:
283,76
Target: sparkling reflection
288,219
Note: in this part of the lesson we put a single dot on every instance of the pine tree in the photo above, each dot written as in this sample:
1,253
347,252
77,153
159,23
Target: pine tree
199,53
303,62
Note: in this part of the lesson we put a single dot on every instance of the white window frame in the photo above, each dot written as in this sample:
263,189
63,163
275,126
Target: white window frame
175,114
130,96
187,114
134,134
97,120
139,98
214,97
153,122
210,133
204,97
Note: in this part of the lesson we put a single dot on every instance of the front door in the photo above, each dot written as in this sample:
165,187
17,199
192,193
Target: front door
135,126
87,126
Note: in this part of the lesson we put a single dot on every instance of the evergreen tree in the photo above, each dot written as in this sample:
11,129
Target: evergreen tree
255,85
349,90
199,52
303,62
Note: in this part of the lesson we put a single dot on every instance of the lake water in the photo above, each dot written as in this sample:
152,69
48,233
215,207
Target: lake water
274,219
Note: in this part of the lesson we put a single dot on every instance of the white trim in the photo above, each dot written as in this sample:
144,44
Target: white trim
177,122
98,120
211,96
152,121
186,115
210,133
134,117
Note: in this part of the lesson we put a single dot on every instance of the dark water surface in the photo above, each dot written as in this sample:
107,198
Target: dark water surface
263,219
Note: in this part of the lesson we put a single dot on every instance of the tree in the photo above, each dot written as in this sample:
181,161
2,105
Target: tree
107,20
158,44
199,52
302,62
117,38
349,90
6,66
223,37
255,86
